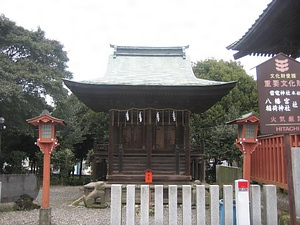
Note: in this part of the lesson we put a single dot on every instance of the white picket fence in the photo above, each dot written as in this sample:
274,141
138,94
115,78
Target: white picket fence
191,196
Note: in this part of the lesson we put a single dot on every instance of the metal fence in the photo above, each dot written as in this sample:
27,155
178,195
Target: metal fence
188,204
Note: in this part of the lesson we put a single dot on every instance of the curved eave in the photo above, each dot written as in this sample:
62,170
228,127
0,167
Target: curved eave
275,31
256,28
102,98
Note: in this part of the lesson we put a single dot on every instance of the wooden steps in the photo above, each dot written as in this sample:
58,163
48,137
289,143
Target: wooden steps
131,167
137,164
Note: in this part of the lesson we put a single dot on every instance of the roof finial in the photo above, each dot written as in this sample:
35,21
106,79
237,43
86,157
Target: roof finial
183,52
115,51
45,112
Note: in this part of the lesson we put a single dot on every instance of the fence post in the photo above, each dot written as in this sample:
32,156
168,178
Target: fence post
242,202
255,204
200,204
130,205
145,204
172,204
159,204
186,204
296,177
214,205
116,205
228,204
270,205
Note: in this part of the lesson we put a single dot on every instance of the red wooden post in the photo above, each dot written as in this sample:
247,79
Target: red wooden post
247,164
246,149
46,178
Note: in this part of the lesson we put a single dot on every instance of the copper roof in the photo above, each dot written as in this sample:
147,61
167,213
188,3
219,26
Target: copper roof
252,117
150,66
142,77
276,30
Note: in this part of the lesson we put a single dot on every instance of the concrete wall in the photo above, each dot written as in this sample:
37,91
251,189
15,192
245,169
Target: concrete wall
227,174
14,185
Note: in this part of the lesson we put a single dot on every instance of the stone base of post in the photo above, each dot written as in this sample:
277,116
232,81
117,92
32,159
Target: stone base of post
45,216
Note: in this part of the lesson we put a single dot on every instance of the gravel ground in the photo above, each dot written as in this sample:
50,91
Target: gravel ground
63,213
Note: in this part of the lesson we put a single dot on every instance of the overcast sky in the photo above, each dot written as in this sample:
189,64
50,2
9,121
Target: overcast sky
87,28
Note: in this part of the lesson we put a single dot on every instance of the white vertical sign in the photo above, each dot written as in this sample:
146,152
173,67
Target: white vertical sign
242,202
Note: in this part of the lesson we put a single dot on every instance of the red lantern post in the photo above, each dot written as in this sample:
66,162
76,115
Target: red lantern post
247,139
47,142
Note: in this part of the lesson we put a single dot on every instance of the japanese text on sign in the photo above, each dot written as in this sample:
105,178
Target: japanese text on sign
243,185
279,95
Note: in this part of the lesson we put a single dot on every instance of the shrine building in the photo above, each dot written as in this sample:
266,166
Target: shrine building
149,93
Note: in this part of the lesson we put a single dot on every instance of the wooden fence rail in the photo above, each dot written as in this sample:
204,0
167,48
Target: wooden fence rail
268,162
193,209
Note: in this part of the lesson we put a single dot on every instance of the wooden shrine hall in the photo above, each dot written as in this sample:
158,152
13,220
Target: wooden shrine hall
150,93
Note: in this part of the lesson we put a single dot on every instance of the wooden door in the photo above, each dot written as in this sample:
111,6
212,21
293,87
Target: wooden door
133,137
165,137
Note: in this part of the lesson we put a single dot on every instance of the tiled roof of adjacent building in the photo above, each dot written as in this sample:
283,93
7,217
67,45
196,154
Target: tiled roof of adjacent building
276,30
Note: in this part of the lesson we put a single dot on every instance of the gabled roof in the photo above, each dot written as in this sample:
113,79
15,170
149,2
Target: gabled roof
45,117
276,30
252,117
143,77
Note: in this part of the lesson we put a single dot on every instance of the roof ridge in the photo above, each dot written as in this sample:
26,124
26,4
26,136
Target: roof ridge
148,47
149,51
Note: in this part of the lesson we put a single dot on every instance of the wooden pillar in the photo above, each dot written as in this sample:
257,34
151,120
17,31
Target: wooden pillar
95,165
110,144
187,143
193,169
202,169
149,138
177,159
247,164
165,129
46,176
120,157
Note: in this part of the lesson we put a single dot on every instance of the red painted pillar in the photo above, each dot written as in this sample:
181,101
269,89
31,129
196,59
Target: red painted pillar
247,164
46,176
247,149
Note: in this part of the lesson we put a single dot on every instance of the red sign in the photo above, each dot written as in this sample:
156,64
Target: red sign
242,184
278,82
148,176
